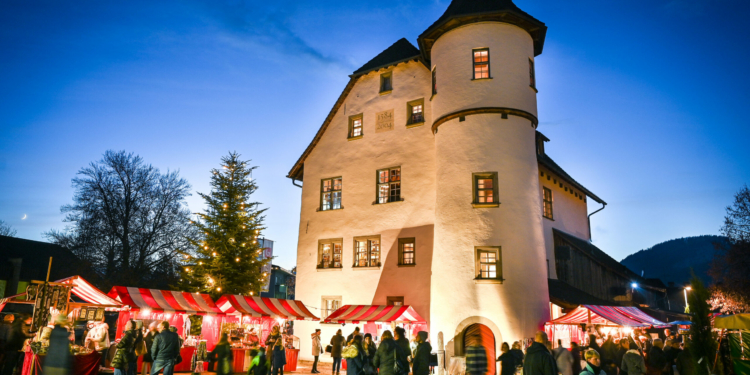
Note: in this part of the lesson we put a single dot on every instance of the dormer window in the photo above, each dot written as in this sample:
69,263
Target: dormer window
386,82
481,63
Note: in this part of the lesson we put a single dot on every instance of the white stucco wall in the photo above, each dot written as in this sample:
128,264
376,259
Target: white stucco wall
357,162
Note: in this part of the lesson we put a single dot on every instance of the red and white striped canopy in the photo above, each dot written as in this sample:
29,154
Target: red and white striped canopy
264,307
607,315
165,301
374,313
83,289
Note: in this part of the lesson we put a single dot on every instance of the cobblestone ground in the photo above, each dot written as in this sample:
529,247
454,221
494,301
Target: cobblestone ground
303,367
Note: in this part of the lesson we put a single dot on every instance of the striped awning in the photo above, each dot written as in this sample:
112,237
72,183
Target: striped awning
165,301
83,289
374,313
638,315
258,307
594,314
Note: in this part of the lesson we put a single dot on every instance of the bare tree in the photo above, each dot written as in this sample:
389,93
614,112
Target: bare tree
6,229
128,220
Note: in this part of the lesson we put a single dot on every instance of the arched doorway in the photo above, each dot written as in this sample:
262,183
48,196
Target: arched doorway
484,333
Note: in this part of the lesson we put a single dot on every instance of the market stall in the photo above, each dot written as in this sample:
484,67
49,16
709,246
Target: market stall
739,340
259,315
195,316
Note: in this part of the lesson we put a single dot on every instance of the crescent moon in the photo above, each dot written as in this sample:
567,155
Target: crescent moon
24,217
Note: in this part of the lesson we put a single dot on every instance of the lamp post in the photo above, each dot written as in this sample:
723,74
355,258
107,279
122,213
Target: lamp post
685,292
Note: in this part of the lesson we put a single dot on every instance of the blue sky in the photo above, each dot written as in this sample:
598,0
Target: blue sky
642,99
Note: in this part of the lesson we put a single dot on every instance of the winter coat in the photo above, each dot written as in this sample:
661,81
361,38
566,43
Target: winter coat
404,344
19,332
279,357
590,370
620,354
385,359
58,360
355,366
337,344
518,355
507,363
149,340
685,364
421,360
539,361
633,363
657,361
317,348
259,365
271,340
576,353
166,346
223,355
125,350
563,360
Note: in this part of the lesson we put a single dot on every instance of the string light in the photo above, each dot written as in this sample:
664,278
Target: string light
200,263
219,289
214,253
187,269
237,260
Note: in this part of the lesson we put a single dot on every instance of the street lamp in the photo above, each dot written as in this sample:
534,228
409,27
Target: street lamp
685,292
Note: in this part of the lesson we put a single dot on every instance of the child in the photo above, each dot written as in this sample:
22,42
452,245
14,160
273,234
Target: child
279,358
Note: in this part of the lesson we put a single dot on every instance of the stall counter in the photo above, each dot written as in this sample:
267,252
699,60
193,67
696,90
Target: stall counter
86,364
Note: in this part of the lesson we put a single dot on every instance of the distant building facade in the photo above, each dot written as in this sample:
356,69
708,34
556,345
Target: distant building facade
281,284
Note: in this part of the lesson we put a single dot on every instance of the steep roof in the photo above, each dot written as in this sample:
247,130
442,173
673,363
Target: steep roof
550,164
35,256
568,296
462,12
398,52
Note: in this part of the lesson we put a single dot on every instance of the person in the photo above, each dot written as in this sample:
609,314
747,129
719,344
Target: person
337,345
259,365
223,354
165,350
356,365
623,347
148,340
351,335
684,361
317,348
633,363
575,352
671,351
517,353
421,358
389,353
58,360
593,363
370,349
5,329
137,346
279,357
507,360
668,335
274,336
476,356
399,334
125,350
657,361
539,360
253,339
18,334
563,359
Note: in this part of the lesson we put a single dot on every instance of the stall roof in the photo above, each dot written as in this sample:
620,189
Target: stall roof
83,289
264,307
165,300
738,321
608,315
374,313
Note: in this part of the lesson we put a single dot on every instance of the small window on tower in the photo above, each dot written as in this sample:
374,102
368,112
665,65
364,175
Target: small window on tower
415,112
386,82
489,265
434,80
485,189
547,200
355,127
481,63
532,74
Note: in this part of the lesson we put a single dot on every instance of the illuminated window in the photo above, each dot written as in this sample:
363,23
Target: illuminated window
355,126
330,194
485,189
481,63
329,253
394,301
532,74
488,263
415,112
547,203
389,185
406,252
367,251
386,82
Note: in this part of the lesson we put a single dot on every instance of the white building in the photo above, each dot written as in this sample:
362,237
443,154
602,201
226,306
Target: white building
428,185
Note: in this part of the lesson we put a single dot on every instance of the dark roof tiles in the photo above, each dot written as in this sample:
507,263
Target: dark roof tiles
398,52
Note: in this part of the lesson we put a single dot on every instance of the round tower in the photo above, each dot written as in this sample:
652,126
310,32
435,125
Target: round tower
489,265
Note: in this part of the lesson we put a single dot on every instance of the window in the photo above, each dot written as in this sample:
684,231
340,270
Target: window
488,263
547,203
355,127
389,185
415,112
329,253
386,82
329,305
394,301
481,63
330,194
434,81
532,74
485,189
406,252
367,251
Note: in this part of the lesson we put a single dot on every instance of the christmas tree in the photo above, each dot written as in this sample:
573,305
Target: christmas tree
227,258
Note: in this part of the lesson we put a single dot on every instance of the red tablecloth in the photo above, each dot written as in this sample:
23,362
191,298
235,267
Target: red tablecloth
87,364
238,356
291,359
187,358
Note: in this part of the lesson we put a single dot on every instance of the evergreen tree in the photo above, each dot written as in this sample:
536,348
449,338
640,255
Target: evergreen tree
702,343
227,259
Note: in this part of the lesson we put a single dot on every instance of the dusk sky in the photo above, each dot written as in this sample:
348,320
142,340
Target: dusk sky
642,100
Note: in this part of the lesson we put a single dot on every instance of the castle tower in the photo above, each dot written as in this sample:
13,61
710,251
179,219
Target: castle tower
488,206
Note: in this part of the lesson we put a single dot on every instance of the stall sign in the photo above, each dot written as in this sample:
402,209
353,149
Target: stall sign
46,297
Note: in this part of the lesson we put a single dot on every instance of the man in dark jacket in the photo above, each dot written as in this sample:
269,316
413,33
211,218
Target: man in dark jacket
351,336
518,354
421,360
685,364
164,350
337,345
387,354
657,361
624,346
399,334
539,360
58,360
18,334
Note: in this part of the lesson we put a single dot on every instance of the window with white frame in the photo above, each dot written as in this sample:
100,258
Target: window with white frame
389,185
329,305
367,251
329,253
